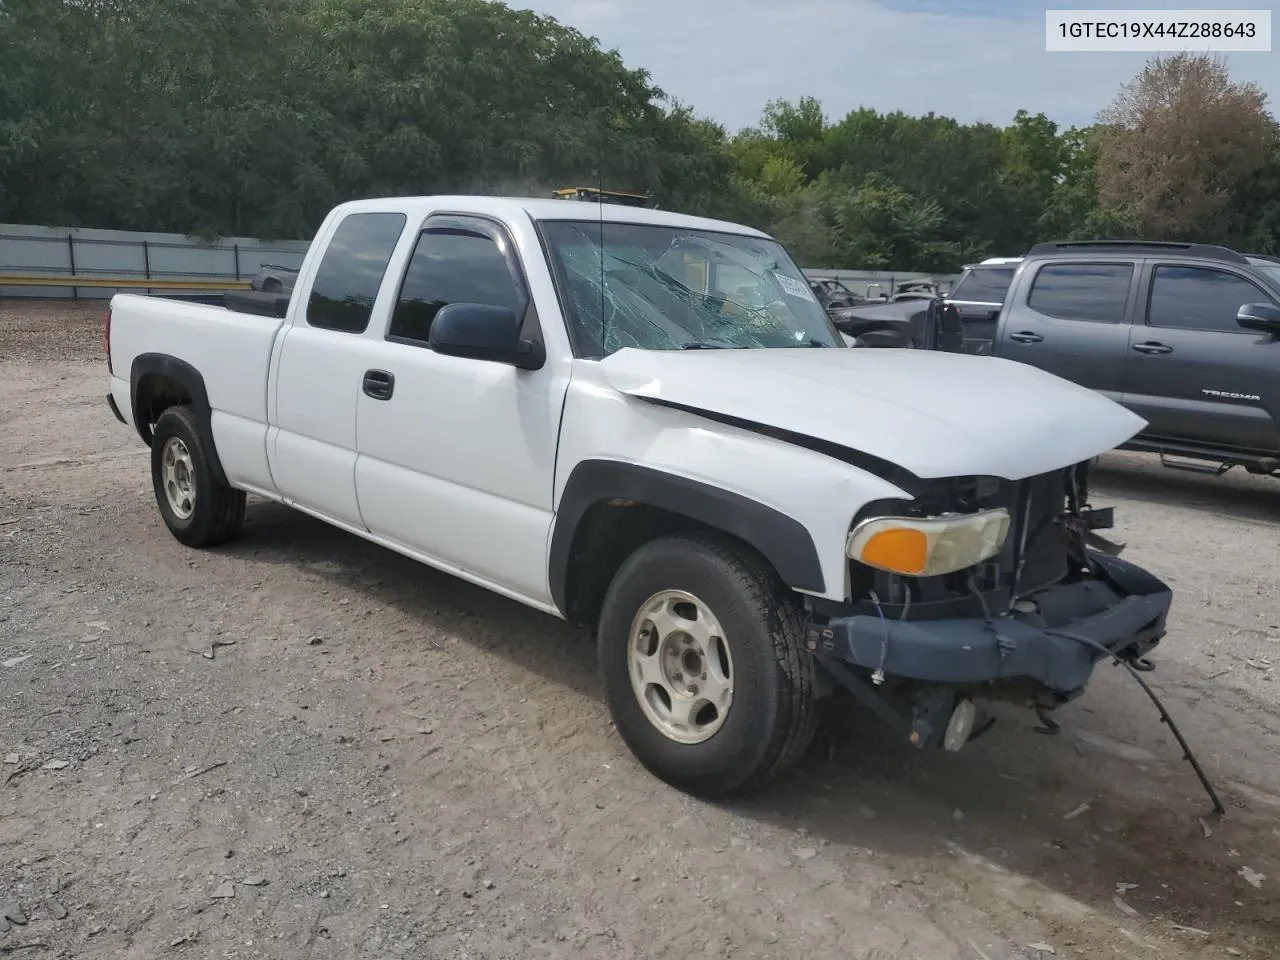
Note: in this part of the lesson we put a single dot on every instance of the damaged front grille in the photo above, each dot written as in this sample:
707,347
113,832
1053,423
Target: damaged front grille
1045,546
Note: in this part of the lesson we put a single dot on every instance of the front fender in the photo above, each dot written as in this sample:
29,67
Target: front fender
780,539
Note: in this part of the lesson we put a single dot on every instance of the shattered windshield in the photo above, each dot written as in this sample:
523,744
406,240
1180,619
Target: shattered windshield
672,288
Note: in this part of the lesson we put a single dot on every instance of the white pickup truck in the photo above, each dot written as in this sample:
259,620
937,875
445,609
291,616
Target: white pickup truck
646,424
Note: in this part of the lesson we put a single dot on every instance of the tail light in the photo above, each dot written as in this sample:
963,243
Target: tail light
106,337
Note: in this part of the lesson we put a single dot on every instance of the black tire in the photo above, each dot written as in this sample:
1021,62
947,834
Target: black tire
217,511
773,714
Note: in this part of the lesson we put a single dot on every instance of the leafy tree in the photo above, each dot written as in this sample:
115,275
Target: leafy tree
1177,143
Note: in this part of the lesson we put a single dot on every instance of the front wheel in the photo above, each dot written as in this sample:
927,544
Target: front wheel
705,671
197,509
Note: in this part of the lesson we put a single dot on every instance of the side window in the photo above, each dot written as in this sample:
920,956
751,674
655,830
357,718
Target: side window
984,285
351,271
1096,292
452,265
1199,298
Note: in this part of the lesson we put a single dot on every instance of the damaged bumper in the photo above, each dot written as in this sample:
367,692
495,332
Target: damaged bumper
1123,608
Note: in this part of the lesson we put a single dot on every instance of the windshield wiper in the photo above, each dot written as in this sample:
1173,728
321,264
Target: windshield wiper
702,345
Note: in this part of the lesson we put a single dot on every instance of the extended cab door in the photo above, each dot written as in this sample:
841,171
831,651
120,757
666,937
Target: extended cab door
311,445
456,455
1192,371
1071,318
978,297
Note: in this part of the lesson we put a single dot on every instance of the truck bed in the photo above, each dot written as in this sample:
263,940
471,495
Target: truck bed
231,349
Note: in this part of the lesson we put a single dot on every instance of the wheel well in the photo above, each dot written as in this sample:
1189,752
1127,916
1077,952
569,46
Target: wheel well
156,392
609,532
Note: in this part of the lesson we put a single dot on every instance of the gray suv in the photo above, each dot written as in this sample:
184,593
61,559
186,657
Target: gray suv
1186,335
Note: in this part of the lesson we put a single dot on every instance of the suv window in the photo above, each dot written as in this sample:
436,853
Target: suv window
1096,292
984,285
450,265
351,271
1199,298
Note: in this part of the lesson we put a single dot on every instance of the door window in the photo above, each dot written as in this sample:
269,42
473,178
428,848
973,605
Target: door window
1199,298
983,285
452,265
351,271
1095,292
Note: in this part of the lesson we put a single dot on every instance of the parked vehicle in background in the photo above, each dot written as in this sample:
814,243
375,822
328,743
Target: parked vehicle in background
645,424
978,296
273,278
834,295
1185,335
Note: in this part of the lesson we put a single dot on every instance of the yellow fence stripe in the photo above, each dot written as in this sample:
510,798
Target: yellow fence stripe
136,283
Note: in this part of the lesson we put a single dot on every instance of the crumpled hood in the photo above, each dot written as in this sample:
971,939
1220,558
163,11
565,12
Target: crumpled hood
934,414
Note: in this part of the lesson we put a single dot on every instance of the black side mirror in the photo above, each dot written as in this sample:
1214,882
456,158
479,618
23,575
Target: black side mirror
480,331
1263,317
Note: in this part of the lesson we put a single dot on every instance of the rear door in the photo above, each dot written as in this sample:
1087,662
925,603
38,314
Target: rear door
978,297
1071,318
1194,373
312,443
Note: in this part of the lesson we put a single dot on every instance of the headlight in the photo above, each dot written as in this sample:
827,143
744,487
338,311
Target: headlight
929,546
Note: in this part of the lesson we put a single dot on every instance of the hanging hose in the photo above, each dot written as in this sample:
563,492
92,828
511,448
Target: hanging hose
1187,755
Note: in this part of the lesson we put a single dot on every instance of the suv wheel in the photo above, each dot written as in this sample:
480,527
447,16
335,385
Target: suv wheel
705,673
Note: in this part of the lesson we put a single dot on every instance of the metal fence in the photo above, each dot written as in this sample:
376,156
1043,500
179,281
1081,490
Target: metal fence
31,253
179,263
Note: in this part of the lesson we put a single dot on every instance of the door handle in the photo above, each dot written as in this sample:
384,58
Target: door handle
379,384
1025,336
1151,348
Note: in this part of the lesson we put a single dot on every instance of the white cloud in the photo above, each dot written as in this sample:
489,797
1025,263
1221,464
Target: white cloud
727,58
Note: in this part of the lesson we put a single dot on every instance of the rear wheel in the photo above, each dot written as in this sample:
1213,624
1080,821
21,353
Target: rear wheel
705,673
197,509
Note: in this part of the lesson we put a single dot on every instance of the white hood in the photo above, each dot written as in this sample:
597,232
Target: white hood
935,414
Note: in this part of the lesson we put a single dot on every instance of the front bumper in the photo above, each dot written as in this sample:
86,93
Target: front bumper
1123,608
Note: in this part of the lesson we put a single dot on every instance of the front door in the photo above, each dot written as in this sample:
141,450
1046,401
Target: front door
457,456
1192,371
1070,318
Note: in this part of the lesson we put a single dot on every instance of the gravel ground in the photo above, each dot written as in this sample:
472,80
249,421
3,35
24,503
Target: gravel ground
304,746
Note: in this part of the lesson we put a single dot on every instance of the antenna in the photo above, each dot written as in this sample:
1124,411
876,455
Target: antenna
600,208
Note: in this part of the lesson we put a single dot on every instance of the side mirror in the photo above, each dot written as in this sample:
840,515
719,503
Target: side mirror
483,332
1263,317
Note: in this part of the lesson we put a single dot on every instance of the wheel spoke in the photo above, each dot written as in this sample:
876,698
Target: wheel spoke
683,710
665,621
649,671
717,688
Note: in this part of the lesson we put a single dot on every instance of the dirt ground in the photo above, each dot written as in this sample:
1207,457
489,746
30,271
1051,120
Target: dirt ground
304,746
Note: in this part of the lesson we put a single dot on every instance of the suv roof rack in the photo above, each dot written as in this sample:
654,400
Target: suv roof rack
1206,251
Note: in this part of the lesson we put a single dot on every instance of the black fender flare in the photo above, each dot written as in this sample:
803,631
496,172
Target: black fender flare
184,373
782,540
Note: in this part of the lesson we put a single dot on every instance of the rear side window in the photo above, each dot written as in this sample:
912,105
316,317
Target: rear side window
984,285
452,265
1199,298
1095,292
351,271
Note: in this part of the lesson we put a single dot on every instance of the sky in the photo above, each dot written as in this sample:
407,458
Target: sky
968,59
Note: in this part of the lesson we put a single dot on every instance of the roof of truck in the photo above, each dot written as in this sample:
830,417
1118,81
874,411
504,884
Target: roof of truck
545,208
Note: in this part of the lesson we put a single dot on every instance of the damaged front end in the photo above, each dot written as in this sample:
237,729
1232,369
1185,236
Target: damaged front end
1027,623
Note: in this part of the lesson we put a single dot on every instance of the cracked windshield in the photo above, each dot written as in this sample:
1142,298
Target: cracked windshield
664,288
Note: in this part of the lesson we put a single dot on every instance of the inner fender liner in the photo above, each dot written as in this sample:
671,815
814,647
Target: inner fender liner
187,375
781,539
